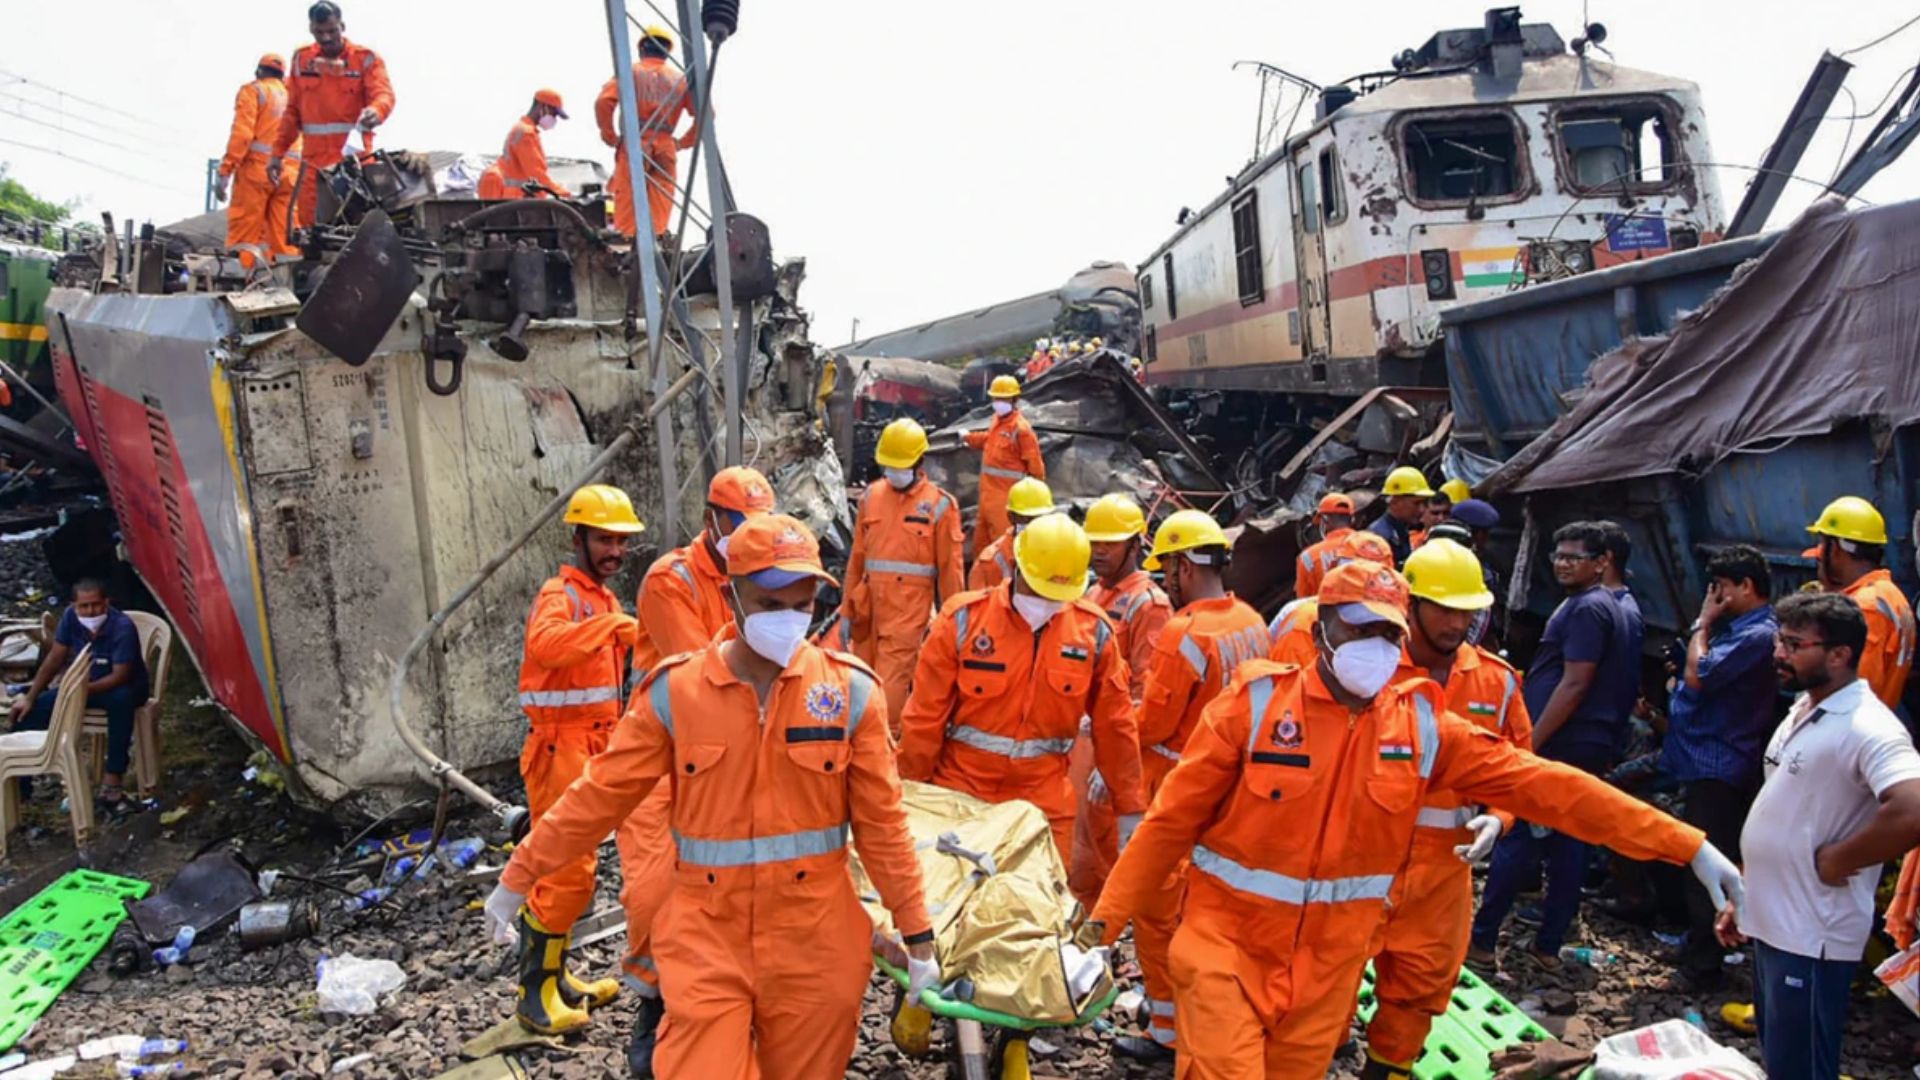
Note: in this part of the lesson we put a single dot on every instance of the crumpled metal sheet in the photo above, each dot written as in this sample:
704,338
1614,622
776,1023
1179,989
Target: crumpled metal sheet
1002,932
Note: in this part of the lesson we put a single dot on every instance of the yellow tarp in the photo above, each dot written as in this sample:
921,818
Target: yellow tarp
1002,931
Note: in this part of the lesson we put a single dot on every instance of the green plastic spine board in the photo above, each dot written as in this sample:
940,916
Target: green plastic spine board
1479,1023
962,1010
48,941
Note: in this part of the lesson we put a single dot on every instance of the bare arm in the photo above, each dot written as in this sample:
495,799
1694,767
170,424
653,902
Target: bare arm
1893,831
1574,686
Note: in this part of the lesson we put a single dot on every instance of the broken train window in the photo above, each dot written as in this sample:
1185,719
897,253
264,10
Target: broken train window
1463,159
1628,143
1333,198
1146,292
1246,249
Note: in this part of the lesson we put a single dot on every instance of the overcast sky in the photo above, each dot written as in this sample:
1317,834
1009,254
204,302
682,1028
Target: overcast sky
924,158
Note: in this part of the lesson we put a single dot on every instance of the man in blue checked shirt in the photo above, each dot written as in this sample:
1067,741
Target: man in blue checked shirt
1724,706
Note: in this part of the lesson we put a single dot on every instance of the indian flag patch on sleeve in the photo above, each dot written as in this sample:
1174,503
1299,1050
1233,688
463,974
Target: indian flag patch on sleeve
1482,708
1074,652
1396,751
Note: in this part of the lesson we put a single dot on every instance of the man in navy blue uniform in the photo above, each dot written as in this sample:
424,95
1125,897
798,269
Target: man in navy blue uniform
117,684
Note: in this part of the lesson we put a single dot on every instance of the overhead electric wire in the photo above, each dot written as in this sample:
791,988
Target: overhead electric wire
79,160
145,121
1883,37
80,117
110,144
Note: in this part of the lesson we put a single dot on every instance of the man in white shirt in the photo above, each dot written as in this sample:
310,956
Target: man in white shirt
1841,797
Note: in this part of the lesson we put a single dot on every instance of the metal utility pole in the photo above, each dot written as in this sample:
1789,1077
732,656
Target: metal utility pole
645,255
1781,158
733,375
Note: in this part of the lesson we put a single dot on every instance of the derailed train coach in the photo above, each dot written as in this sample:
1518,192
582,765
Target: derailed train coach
1490,159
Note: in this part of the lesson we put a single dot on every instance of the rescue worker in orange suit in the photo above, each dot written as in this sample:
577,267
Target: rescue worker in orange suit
1424,940
1211,634
776,753
243,169
1296,801
1009,452
1292,628
523,160
335,89
1851,546
1004,678
905,561
570,681
1334,518
661,98
682,607
1028,501
1117,531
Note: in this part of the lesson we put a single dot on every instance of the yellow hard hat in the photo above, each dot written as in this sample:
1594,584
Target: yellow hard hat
1029,497
1053,554
1407,480
658,31
1851,517
1097,344
901,444
1447,574
1003,386
1456,491
603,506
1184,531
1115,518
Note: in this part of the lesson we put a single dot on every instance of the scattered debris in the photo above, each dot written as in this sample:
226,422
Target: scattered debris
352,986
206,893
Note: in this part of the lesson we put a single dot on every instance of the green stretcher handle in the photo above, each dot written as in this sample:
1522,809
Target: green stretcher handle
963,1010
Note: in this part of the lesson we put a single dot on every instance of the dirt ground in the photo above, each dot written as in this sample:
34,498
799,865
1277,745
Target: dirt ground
254,1014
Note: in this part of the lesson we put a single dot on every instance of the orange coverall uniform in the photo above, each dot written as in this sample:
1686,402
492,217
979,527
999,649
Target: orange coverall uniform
1138,610
250,222
1274,935
763,945
324,100
522,158
1315,561
1888,657
570,675
905,564
660,94
1009,452
994,565
1424,939
682,608
1293,636
1197,654
996,706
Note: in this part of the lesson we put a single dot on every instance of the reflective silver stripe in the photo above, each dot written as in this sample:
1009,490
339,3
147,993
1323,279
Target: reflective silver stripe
1134,605
859,692
686,575
1165,751
661,699
259,96
1160,1008
1903,655
940,508
760,850
592,695
1506,699
327,129
1435,817
1000,560
1196,656
573,601
1102,630
260,147
1290,890
1259,693
1429,734
1019,749
959,628
895,566
1004,474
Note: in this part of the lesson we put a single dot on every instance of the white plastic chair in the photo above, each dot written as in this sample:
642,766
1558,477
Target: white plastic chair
53,752
156,644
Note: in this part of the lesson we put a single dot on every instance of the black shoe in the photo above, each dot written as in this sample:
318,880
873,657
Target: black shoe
1142,1049
646,1022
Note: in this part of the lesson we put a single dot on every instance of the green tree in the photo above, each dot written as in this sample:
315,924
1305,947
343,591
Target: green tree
17,202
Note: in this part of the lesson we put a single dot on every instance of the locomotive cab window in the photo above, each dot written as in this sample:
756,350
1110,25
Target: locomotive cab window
1166,270
1628,144
1146,292
1246,249
1333,197
1464,159
1309,200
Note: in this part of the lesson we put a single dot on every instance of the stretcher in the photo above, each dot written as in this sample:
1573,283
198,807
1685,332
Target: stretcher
1001,1055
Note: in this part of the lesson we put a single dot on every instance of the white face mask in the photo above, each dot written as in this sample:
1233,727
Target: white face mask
721,546
775,634
1036,609
93,623
1002,408
901,479
547,122
1364,666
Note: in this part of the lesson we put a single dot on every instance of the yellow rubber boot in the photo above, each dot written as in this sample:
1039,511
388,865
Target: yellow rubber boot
543,1006
912,1029
1739,1017
1376,1069
583,994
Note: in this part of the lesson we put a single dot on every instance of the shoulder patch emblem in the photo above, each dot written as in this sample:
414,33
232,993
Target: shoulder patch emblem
825,701
1286,733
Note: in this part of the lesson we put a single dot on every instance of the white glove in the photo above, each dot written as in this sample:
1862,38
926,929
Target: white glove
1128,823
503,914
1486,832
1721,878
1096,787
921,975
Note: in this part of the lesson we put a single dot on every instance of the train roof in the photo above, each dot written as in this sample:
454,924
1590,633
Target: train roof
1561,77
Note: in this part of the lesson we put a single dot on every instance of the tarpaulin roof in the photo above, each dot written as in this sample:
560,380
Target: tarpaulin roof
1822,329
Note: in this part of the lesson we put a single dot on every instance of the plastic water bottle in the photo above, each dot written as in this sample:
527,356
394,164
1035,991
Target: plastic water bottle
128,1068
1580,954
365,900
463,853
176,952
1692,1016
